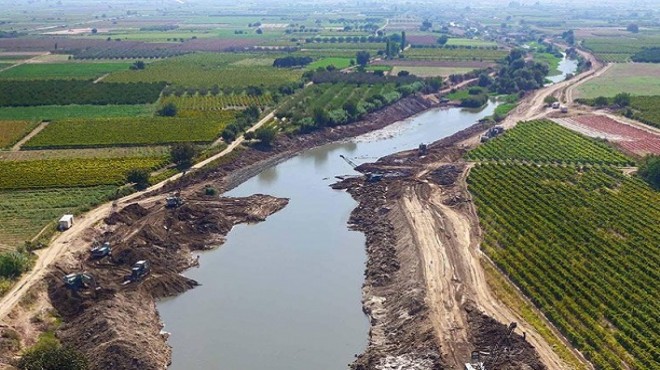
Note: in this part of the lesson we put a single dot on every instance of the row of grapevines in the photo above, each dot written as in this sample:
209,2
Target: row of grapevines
217,102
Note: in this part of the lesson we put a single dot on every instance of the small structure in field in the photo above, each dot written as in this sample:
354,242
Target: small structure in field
65,222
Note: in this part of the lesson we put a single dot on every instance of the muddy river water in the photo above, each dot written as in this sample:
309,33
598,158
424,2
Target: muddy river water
566,66
285,294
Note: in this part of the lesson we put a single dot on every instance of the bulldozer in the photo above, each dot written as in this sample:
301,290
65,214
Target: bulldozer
174,201
99,251
139,270
422,150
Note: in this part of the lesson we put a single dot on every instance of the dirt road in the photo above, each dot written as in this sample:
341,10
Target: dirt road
47,256
29,136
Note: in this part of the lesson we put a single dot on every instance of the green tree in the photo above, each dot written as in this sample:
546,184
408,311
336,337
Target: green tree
550,99
183,154
265,134
622,99
362,57
600,101
443,39
50,355
13,264
351,108
632,28
139,177
168,110
649,170
403,40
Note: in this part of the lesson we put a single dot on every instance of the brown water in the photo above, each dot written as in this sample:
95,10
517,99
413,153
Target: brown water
285,294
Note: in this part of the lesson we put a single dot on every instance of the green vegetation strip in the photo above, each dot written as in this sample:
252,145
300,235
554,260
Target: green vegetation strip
545,141
71,172
126,132
583,245
57,112
23,213
83,71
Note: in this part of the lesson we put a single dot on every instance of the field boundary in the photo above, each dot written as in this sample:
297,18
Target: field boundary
29,136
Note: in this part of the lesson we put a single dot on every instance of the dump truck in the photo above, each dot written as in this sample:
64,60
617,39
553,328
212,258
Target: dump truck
491,133
563,109
101,250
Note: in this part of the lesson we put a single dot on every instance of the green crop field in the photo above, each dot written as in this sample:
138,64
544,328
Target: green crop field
636,79
50,173
206,70
81,71
339,63
620,49
447,54
216,102
23,213
546,141
108,132
13,131
161,151
58,112
646,109
582,244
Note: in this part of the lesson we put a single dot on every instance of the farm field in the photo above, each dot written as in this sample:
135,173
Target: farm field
620,49
582,245
646,109
57,112
629,138
545,141
458,54
13,131
82,71
216,102
23,213
430,71
50,173
64,92
633,78
206,70
470,42
112,152
339,63
82,133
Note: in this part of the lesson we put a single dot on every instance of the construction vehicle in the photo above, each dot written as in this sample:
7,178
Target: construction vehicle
475,362
555,105
563,109
422,150
174,201
139,270
491,133
78,281
370,176
99,251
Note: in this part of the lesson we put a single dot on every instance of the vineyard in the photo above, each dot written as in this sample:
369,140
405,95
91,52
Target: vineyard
23,213
64,92
216,102
619,49
13,131
455,54
647,109
57,112
50,173
128,132
583,245
545,141
128,52
206,70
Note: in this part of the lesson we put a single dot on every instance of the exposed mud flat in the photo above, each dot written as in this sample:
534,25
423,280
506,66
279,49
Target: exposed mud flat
408,329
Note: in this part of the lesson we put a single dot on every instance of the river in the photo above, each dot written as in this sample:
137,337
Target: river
285,294
566,66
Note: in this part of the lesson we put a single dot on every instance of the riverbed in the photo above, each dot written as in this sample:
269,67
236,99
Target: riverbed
566,67
286,293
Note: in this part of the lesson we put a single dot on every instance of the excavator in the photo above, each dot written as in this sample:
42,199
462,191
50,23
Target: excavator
370,176
139,270
79,281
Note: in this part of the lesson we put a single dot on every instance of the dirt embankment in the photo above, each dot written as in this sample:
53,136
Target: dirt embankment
419,289
117,326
